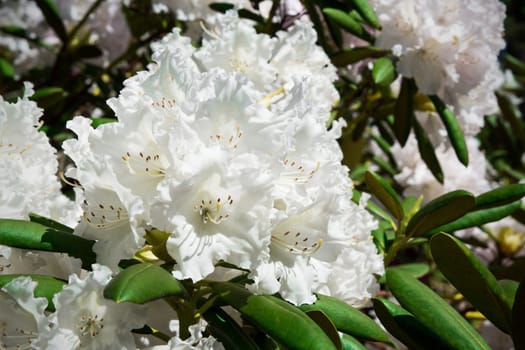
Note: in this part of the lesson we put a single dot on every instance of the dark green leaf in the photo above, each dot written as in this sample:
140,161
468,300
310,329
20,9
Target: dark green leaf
227,331
280,320
385,193
47,286
404,110
500,196
142,283
427,151
383,72
515,64
50,223
434,312
416,270
366,11
49,96
509,288
96,122
221,6
518,317
481,288
477,218
52,16
453,129
32,235
405,327
350,343
348,23
356,54
440,211
327,326
348,319
511,114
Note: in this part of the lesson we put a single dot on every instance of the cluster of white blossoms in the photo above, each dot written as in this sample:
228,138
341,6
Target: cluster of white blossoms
450,50
225,149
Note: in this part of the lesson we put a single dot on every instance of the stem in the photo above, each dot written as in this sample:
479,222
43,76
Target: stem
398,244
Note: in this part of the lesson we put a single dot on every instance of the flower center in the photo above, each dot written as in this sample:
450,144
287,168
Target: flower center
214,211
296,172
15,339
144,164
104,216
232,140
90,325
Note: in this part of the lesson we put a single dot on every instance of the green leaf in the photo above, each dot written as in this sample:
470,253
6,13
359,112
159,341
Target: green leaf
327,326
427,151
350,343
481,288
47,286
348,319
50,223
500,196
440,211
6,69
385,193
434,312
416,270
477,218
142,283
518,317
49,96
383,72
280,320
356,54
453,129
404,110
32,235
509,288
52,16
227,331
96,122
366,11
405,327
221,6
511,114
348,23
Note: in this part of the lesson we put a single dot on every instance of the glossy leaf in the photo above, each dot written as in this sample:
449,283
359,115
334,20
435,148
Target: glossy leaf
52,16
385,193
227,331
481,288
383,72
500,196
416,270
434,312
356,54
509,288
366,11
440,211
518,317
348,319
32,235
47,286
453,129
404,110
348,23
47,97
142,283
326,325
405,327
50,223
350,343
477,218
427,151
280,320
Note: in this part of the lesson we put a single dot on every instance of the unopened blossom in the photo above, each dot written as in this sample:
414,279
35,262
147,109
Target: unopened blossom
84,319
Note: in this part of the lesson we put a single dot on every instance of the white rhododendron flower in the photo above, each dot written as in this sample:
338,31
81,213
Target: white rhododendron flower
226,151
21,314
84,319
450,49
417,179
28,165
